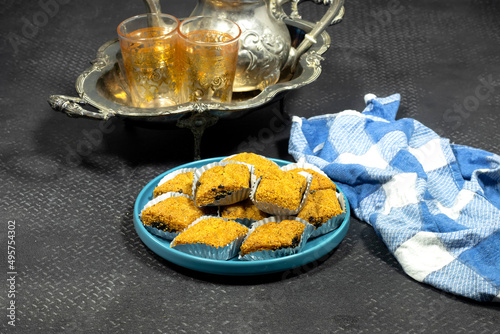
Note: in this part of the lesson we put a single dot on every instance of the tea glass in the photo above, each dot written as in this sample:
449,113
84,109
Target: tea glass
148,44
208,52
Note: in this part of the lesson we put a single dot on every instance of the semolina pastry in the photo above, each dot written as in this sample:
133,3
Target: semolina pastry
243,210
212,231
319,181
282,189
172,214
272,236
321,205
260,163
221,181
181,183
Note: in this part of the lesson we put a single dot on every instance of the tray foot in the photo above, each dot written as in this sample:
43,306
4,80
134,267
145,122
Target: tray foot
197,123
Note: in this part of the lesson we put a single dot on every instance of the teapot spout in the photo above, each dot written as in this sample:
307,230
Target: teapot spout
153,7
333,15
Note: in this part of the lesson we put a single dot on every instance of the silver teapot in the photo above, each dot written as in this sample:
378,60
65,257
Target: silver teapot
265,46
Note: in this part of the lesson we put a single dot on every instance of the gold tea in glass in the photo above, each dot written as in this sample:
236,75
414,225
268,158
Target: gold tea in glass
208,52
148,46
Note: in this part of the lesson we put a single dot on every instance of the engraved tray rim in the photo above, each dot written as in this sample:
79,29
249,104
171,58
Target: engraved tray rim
86,86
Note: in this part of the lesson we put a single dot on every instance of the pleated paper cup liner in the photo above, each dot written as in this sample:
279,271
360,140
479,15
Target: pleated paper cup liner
160,233
334,222
282,252
235,196
276,210
224,253
172,175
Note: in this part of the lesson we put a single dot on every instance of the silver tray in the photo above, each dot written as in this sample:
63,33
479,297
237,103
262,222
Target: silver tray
103,87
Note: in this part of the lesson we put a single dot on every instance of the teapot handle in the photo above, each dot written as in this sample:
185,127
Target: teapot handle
332,16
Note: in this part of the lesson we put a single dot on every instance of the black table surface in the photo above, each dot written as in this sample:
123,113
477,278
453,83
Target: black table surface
80,265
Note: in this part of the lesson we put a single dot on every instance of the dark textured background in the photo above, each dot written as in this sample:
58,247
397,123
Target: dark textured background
82,267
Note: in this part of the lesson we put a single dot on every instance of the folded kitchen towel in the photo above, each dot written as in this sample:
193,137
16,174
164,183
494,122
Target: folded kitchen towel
435,205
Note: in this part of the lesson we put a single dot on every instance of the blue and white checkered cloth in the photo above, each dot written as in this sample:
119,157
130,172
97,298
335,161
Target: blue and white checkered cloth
435,205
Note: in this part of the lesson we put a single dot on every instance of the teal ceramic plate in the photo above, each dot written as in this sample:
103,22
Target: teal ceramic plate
315,248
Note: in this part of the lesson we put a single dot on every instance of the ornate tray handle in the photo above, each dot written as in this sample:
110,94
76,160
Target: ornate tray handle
71,107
